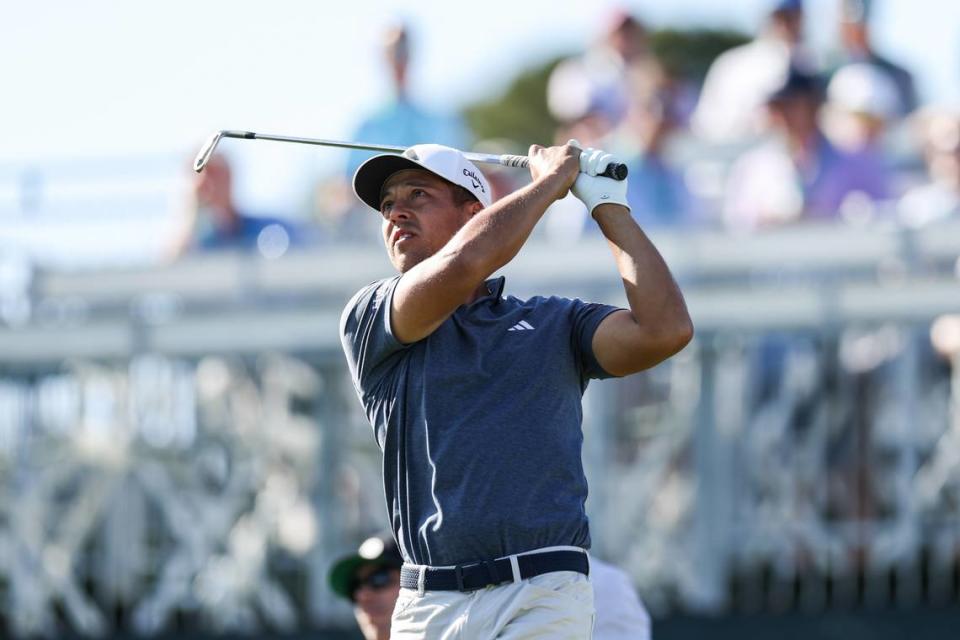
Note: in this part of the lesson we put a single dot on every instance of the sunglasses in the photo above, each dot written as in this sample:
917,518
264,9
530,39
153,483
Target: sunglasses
379,579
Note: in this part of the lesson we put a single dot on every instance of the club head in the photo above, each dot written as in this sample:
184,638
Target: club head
206,151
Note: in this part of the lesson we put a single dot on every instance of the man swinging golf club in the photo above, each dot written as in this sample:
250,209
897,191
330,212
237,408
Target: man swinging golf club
475,396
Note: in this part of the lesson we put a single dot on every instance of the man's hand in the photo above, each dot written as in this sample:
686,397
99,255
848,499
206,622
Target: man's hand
558,166
594,190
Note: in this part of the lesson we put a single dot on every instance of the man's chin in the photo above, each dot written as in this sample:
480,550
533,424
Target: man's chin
403,262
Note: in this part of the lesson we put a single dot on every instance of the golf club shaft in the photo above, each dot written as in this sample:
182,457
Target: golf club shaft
615,171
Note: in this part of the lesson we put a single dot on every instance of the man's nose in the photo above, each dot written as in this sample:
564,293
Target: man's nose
399,212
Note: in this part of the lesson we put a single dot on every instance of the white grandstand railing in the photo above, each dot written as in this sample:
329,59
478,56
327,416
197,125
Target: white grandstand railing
801,278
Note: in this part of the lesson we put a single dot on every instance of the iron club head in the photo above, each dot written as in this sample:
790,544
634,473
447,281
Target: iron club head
206,151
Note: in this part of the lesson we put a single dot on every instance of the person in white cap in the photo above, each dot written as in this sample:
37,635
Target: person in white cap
730,109
861,103
858,48
475,396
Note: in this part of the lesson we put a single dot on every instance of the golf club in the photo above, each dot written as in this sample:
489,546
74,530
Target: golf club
616,171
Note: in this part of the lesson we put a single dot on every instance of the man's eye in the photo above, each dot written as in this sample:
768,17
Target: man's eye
386,207
418,192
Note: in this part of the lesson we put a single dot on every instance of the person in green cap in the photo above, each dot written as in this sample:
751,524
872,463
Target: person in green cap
370,579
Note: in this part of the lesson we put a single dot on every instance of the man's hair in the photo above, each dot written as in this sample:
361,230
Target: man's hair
461,195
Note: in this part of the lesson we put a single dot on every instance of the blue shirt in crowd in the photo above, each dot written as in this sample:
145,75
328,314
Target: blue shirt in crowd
402,123
658,194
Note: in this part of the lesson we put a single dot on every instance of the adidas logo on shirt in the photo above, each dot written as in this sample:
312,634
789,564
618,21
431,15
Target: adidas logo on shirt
523,325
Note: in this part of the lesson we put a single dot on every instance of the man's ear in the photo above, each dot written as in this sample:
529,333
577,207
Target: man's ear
474,207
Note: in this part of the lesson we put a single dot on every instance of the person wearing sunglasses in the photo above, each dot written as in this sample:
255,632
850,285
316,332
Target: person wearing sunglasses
370,579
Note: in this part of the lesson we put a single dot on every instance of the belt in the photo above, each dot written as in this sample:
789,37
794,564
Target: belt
477,575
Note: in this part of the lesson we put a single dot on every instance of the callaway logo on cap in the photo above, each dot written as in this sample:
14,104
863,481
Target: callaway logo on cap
439,160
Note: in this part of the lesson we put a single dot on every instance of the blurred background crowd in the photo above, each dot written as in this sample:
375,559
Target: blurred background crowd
720,130
181,451
807,118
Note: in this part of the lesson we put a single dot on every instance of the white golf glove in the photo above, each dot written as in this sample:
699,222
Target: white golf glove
592,189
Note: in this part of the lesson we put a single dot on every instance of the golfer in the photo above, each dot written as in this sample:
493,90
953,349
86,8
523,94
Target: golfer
475,395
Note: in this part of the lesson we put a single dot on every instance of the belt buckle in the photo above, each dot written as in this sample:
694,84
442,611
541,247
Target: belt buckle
493,578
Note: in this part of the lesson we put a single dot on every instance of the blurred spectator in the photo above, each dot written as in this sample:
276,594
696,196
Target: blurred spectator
400,121
861,102
940,198
336,215
657,191
656,188
212,220
617,97
620,612
739,80
370,579
588,94
858,48
800,173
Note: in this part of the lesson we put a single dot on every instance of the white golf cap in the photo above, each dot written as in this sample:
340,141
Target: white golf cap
445,162
862,88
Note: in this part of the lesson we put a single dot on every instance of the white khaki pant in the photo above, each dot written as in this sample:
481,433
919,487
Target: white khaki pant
557,605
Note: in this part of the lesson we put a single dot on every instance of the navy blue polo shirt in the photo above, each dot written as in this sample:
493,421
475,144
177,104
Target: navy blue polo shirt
479,422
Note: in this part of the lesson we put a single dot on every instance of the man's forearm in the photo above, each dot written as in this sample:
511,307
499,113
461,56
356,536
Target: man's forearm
495,235
653,296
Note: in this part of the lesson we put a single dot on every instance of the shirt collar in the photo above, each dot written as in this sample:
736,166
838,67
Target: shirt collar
495,286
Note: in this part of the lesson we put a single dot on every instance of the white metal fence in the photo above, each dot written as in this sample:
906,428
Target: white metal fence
180,445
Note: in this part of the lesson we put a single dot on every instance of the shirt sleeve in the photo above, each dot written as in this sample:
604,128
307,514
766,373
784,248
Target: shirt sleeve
367,337
587,316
